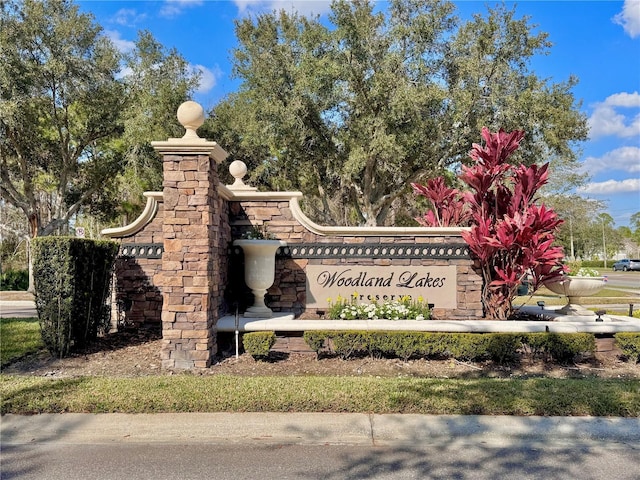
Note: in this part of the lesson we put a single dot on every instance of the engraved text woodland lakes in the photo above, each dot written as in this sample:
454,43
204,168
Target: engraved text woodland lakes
407,279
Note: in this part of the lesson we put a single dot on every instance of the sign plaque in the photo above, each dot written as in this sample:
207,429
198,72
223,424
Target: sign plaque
434,284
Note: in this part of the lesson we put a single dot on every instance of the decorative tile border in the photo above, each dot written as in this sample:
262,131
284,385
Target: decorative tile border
375,250
141,250
371,250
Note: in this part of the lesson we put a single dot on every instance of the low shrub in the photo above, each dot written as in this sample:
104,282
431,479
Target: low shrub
596,263
561,347
468,346
316,340
351,343
14,280
501,348
629,343
258,344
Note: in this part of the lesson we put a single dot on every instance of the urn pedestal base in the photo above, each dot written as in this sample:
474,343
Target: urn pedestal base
574,288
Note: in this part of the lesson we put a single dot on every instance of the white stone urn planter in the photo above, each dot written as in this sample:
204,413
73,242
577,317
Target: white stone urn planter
574,287
259,272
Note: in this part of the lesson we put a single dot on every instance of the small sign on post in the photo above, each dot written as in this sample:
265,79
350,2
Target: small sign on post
80,232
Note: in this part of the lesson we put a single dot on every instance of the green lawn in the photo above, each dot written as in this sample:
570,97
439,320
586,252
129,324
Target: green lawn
224,393
604,297
18,336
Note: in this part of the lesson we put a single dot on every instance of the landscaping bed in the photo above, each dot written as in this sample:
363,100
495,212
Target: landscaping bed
130,354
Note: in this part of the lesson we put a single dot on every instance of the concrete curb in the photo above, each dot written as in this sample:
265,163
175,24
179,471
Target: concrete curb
309,428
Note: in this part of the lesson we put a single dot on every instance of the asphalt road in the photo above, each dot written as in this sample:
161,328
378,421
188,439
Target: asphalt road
452,459
317,446
629,280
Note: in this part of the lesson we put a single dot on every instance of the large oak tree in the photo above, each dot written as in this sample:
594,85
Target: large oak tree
353,112
59,105
77,116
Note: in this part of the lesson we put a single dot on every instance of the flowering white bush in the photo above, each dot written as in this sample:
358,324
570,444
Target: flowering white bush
404,309
575,269
587,272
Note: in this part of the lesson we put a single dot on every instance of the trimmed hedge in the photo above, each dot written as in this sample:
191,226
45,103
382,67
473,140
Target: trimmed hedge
596,263
499,347
258,344
72,282
561,347
629,343
14,280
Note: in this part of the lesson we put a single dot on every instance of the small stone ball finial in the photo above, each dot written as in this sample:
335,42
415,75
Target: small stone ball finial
238,169
191,117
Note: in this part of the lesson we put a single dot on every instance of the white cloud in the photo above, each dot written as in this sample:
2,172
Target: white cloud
128,17
625,159
629,17
173,8
611,117
120,43
612,186
125,72
624,99
303,7
208,77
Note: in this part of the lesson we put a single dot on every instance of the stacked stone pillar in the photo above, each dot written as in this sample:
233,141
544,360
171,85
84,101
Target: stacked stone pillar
188,279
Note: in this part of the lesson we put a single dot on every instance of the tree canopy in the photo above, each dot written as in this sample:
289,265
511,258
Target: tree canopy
354,112
59,106
77,116
156,81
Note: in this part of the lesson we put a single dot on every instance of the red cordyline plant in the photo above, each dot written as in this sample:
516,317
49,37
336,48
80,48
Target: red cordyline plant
511,236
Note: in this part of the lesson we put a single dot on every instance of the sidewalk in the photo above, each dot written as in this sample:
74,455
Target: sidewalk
17,309
309,428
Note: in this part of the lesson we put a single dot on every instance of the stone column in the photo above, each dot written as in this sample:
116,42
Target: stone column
188,279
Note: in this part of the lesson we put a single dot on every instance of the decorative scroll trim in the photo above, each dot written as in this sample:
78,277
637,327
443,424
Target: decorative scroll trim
148,214
141,250
292,197
370,231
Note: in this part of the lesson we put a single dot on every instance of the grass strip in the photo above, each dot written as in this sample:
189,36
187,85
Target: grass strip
223,393
18,337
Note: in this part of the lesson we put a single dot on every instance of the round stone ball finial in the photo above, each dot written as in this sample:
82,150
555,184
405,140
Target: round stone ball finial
191,117
238,169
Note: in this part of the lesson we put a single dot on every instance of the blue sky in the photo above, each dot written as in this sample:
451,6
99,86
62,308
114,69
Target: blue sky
597,41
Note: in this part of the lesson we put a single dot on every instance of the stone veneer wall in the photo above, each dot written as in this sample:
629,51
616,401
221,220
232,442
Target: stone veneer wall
137,301
289,290
223,263
189,280
176,257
